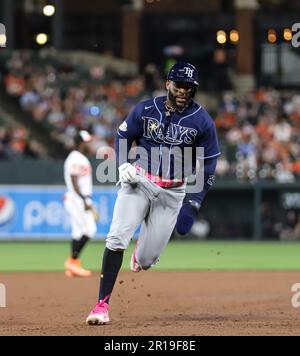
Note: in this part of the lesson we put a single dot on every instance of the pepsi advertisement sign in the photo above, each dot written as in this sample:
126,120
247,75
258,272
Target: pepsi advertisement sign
38,213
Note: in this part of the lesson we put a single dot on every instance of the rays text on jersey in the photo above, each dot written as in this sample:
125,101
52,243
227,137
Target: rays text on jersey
175,135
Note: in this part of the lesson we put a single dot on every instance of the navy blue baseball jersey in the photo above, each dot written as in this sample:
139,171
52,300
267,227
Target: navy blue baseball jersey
166,134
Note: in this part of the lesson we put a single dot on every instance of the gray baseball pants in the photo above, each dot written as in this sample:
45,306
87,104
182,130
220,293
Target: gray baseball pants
155,209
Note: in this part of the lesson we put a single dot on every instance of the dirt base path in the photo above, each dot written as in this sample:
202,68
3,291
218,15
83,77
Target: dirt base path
154,303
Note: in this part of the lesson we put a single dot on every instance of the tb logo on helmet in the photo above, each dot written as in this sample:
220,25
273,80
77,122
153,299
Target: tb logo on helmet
184,72
189,72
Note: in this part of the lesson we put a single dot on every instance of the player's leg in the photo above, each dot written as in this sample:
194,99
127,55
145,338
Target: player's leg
82,231
130,209
88,229
158,227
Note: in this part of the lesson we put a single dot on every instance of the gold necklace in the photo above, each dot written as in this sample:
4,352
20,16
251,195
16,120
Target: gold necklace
172,110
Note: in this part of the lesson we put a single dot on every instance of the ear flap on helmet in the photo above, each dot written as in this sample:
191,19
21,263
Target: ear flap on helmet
193,92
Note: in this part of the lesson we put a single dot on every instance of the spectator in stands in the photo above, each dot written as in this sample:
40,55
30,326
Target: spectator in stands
16,144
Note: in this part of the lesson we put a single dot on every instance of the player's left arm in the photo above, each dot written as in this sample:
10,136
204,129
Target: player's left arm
190,210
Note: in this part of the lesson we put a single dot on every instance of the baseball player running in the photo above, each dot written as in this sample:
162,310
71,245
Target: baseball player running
78,203
152,194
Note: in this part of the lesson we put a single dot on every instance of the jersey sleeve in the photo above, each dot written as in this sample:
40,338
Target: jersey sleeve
130,130
209,178
209,140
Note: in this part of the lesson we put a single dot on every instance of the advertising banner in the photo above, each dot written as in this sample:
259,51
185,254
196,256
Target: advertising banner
38,213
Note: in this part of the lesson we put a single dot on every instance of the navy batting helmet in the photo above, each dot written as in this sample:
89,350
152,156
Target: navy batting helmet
184,72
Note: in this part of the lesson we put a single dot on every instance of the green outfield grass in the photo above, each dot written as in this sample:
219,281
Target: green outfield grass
183,256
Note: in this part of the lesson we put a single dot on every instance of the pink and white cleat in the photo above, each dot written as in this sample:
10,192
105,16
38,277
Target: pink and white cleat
134,266
99,316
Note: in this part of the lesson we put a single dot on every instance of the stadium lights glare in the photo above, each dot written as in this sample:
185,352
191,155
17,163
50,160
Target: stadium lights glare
287,34
221,37
234,36
41,39
49,10
272,36
3,40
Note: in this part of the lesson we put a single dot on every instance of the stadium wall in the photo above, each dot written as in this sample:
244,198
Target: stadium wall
32,191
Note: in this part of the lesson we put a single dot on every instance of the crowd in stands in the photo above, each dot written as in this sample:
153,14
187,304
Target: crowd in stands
259,131
15,143
65,97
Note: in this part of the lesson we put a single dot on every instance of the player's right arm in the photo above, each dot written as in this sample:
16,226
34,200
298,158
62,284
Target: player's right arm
131,130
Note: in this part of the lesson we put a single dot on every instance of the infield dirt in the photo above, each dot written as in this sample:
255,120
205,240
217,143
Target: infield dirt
154,303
